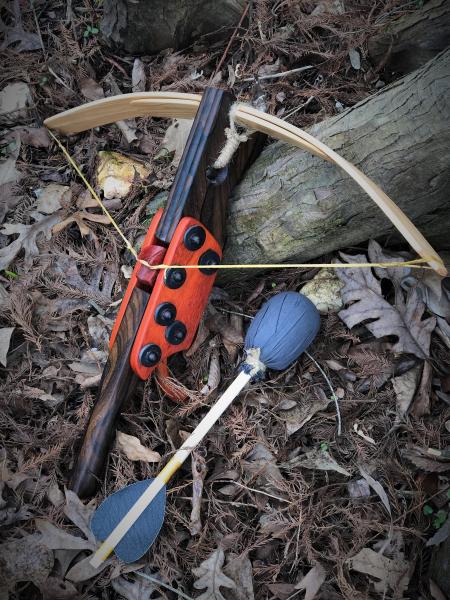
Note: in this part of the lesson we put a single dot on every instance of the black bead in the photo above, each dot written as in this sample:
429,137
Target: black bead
209,258
150,355
165,313
194,238
176,333
174,278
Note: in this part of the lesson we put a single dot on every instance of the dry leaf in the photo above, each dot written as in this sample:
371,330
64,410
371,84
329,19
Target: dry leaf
9,175
332,7
282,591
428,459
98,287
363,291
421,403
175,139
237,327
435,591
116,173
83,570
317,459
199,471
358,489
405,387
21,40
239,569
80,217
377,488
90,89
214,370
138,76
355,59
296,415
15,99
52,197
25,559
392,573
57,589
434,289
38,394
211,577
5,339
80,514
324,291
57,539
312,581
27,240
34,136
260,462
139,589
134,450
441,534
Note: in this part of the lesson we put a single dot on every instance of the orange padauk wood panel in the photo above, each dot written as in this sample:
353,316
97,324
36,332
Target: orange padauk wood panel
150,243
190,299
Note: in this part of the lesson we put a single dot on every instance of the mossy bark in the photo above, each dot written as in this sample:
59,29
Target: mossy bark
293,206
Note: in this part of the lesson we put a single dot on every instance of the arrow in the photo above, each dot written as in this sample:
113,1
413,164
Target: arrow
129,520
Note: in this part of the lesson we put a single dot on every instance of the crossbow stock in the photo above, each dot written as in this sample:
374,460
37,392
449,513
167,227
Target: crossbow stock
161,310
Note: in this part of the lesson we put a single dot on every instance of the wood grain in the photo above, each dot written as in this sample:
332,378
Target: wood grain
197,192
118,383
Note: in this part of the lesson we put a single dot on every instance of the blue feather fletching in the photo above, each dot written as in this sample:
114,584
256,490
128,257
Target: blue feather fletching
143,533
282,329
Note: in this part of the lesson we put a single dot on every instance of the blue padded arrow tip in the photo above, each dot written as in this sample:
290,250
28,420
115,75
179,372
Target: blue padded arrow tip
282,329
143,533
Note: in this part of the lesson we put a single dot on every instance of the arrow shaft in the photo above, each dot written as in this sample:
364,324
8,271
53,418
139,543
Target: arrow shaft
172,466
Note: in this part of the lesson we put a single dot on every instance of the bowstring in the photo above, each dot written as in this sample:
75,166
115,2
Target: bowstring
416,263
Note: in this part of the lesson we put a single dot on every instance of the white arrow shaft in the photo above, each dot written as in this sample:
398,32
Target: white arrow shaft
172,466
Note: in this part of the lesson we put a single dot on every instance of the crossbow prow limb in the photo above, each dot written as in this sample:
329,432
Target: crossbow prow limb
180,105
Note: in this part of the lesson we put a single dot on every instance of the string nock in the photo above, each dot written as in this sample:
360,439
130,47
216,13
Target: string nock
236,135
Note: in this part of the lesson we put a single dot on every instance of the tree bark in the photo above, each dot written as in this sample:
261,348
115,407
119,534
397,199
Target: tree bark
292,206
149,26
413,39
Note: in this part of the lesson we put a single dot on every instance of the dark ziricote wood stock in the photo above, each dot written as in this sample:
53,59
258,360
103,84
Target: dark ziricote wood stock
196,192
118,383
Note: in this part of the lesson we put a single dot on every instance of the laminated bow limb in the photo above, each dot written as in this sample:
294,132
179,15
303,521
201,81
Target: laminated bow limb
162,308
165,104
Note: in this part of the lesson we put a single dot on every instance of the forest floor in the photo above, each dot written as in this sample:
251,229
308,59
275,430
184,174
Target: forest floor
284,507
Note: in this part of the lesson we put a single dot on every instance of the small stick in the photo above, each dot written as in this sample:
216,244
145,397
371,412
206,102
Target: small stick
224,55
277,75
333,395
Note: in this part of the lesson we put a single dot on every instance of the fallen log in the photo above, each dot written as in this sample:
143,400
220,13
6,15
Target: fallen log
292,206
144,27
410,41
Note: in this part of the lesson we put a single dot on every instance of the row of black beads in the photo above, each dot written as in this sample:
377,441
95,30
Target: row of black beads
165,313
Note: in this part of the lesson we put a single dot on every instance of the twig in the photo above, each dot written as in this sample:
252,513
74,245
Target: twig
233,312
164,585
225,52
59,80
333,395
297,108
246,487
277,75
38,28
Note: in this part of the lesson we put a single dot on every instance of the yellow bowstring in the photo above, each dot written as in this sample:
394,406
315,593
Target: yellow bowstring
416,263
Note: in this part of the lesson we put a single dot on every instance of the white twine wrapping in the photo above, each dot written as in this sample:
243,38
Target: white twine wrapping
234,138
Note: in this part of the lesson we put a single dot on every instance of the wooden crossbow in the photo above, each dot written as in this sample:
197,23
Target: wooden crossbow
161,310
